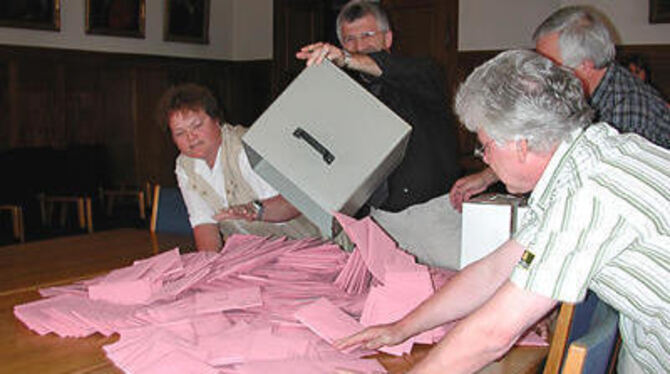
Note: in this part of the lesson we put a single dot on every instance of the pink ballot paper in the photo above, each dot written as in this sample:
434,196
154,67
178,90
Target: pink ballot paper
261,305
327,320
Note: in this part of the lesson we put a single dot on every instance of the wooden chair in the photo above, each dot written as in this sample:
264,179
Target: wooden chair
18,228
168,216
168,212
82,203
589,331
110,195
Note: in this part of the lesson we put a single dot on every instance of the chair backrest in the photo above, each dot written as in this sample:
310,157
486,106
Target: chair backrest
592,352
589,331
168,213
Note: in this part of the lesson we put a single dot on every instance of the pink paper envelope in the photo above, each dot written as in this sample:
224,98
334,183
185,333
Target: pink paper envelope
327,321
377,249
312,366
387,303
177,362
208,302
165,264
210,324
248,344
127,292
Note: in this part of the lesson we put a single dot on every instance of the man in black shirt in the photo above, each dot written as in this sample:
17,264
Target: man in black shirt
412,88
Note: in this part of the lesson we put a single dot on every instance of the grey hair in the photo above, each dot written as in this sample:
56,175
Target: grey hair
583,35
520,94
357,9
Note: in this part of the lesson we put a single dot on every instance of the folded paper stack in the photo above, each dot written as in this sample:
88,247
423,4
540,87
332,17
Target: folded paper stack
261,305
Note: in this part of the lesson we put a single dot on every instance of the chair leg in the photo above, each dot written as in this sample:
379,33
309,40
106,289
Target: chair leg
43,209
81,215
110,205
89,216
63,213
141,205
15,222
22,232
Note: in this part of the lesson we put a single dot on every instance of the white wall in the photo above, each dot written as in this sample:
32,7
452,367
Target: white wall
503,24
631,21
500,24
238,30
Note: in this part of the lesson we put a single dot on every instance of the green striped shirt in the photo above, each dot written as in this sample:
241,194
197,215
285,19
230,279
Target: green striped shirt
599,218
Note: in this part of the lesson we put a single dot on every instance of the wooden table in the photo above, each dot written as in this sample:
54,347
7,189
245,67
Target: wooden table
25,267
519,360
67,259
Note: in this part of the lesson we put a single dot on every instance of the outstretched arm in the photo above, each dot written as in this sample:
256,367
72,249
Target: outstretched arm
487,333
464,293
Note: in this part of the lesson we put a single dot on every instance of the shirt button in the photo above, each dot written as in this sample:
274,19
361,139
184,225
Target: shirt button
405,190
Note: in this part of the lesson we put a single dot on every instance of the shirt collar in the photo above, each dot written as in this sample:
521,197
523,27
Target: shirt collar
551,175
599,92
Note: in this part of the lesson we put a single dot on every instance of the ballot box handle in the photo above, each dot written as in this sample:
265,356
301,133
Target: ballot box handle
325,153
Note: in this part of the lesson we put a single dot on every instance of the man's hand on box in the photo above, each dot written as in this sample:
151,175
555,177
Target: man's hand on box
469,186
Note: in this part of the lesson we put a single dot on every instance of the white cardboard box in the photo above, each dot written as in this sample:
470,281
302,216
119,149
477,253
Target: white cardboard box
487,222
326,143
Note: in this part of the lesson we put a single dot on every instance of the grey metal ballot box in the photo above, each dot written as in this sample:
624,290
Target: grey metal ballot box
326,144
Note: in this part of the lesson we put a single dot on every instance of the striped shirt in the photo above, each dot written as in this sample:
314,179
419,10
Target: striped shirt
599,218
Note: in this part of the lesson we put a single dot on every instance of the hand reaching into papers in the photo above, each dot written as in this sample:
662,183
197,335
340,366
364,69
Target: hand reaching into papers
373,337
469,186
244,211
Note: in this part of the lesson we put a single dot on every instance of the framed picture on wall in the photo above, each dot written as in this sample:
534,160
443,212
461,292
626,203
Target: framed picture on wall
115,17
31,14
659,11
187,21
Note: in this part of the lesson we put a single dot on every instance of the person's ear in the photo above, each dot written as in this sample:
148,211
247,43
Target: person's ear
585,69
388,39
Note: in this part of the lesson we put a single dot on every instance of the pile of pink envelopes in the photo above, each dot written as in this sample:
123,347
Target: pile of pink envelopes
261,305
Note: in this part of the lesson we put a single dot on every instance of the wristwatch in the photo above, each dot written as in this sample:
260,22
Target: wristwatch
258,205
347,58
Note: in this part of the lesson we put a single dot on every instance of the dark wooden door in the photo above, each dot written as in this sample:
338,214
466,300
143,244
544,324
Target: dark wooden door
296,23
430,28
427,28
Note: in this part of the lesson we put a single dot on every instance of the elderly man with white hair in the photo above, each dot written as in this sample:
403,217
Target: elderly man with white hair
579,38
599,219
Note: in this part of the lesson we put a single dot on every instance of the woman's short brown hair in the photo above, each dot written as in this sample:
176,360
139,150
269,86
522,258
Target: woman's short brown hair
188,96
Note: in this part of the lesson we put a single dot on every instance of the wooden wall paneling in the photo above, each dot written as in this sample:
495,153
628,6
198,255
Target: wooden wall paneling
5,124
13,102
58,98
118,124
155,151
247,95
82,110
38,90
